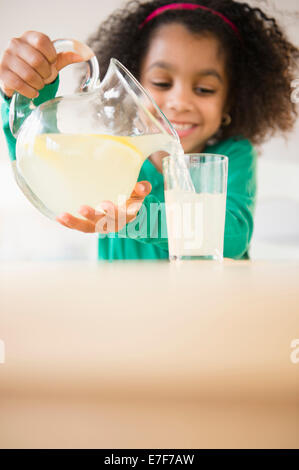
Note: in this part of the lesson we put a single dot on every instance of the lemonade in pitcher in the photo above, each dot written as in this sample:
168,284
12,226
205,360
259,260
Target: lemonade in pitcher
65,171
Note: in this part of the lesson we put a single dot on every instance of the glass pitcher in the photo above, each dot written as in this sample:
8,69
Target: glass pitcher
90,146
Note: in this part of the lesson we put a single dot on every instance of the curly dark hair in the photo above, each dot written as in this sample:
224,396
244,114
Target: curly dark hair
260,66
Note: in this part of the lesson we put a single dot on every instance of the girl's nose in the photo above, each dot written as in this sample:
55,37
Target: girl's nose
180,99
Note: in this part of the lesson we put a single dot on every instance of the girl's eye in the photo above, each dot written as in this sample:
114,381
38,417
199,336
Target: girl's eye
198,90
204,91
161,84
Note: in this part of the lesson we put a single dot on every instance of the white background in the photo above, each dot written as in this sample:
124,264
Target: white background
25,234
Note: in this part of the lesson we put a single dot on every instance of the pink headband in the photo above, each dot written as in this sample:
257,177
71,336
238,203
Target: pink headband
189,6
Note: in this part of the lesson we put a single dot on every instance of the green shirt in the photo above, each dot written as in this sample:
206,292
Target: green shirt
133,242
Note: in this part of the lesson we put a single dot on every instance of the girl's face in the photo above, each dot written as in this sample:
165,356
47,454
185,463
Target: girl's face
185,74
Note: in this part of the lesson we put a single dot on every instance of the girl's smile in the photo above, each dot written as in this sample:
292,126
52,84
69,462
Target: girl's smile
185,73
184,129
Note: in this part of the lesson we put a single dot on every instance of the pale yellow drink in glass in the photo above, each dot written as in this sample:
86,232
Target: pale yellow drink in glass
195,223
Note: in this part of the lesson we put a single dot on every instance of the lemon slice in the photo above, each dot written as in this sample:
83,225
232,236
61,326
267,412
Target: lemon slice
121,140
51,146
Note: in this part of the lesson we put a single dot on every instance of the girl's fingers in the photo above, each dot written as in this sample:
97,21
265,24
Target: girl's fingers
42,43
63,59
58,219
14,83
142,189
91,214
32,57
27,63
133,205
67,58
68,220
113,218
25,72
118,216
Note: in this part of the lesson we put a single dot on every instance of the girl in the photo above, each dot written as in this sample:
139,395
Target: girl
220,71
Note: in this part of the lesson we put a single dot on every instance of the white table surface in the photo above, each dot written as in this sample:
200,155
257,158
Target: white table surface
149,354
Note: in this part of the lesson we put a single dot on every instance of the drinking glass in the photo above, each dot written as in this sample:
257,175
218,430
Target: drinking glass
195,220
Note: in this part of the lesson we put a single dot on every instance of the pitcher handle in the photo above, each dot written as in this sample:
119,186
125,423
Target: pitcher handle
21,106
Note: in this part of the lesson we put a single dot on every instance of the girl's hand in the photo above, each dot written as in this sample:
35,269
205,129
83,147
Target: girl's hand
114,218
30,62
